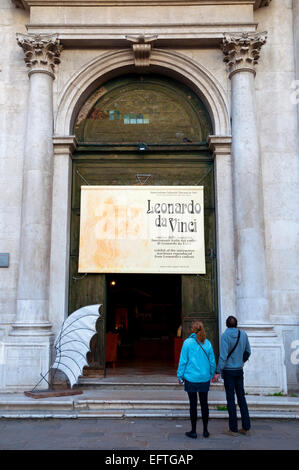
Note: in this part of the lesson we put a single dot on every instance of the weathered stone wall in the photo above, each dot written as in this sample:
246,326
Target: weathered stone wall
278,128
143,15
296,39
13,105
277,123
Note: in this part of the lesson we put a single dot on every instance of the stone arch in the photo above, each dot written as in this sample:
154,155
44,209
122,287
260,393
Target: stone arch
95,73
112,64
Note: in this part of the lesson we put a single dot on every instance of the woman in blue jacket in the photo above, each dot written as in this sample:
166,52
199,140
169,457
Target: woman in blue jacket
196,368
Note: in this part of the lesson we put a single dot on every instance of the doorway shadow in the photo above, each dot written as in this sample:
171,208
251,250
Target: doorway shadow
144,311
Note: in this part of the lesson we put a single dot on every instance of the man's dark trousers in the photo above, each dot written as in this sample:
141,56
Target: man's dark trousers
234,382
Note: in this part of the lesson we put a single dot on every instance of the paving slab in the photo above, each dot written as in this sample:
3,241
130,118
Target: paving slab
157,434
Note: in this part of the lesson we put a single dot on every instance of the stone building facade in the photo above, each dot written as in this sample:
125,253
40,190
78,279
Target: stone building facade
240,57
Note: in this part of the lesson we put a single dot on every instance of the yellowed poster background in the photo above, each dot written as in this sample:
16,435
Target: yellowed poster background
142,229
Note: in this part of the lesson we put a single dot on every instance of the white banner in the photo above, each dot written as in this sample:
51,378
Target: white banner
142,229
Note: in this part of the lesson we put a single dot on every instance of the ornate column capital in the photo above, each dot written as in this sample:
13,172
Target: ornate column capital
41,51
242,51
142,47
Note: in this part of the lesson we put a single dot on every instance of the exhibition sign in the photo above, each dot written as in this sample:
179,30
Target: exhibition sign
142,229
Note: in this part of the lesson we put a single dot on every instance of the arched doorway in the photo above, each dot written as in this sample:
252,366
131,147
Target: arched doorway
144,130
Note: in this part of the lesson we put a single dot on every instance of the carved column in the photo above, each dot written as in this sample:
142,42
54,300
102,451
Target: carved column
266,370
41,55
28,347
241,54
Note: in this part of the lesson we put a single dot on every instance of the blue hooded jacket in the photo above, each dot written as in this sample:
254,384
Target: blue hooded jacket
194,365
227,342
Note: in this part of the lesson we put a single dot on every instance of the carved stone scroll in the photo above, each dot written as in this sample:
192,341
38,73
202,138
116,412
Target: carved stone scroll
142,47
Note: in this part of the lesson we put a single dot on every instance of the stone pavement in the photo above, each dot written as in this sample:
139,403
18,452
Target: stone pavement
141,434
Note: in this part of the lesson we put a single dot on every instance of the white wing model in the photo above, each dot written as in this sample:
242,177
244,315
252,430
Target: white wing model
72,342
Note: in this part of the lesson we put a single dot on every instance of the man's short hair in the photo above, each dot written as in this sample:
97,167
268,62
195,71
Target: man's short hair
231,322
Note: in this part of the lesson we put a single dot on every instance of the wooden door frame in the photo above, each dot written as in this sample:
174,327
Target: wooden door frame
64,148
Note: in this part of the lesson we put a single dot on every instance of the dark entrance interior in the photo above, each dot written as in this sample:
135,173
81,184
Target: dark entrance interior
144,310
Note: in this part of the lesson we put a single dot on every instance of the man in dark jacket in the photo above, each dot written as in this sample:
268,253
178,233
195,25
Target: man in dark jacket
231,369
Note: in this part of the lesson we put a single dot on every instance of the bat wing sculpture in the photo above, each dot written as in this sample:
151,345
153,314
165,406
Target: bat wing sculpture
72,342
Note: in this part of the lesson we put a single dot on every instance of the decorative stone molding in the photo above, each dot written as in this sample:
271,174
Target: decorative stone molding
220,145
42,52
142,48
87,3
95,73
242,51
64,145
261,3
19,4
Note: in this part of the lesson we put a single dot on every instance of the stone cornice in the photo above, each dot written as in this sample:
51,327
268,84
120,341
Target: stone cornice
86,3
41,51
102,35
242,51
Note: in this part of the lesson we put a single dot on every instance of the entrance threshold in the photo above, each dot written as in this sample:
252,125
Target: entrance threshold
147,370
135,374
128,379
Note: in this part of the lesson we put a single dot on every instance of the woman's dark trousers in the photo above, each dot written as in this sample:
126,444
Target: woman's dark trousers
203,398
234,382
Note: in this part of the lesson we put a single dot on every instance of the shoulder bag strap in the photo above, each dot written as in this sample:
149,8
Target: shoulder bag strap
234,345
198,342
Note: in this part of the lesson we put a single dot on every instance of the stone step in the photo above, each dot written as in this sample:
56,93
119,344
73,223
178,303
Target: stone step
213,414
135,414
217,405
100,384
130,400
36,404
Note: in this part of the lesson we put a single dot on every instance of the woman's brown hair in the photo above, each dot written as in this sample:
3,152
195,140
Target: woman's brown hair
198,328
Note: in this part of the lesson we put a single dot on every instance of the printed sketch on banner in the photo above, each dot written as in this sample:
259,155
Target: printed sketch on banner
142,229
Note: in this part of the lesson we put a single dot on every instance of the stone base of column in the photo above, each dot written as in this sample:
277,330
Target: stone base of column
265,372
22,361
